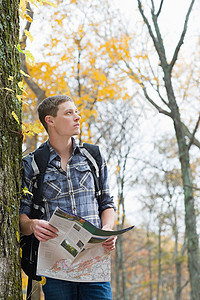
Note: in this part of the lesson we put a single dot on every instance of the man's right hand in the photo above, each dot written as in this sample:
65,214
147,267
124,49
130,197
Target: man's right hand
42,230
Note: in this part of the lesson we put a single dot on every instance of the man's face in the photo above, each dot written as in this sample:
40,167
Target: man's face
66,123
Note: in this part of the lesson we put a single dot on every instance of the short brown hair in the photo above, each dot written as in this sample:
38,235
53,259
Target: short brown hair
49,106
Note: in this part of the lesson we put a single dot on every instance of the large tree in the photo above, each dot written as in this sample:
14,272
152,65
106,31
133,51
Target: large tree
166,102
10,151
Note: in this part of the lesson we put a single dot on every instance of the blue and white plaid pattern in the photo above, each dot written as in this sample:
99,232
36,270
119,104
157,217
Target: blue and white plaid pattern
73,190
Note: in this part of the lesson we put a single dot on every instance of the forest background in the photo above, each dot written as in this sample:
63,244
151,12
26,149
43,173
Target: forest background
135,81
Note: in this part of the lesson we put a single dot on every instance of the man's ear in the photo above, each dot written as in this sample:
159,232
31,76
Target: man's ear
49,120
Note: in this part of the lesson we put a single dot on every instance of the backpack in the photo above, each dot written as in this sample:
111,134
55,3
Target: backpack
29,244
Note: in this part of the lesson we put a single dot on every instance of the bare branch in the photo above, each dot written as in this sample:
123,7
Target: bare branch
160,8
153,6
147,23
193,187
157,89
194,132
134,75
189,135
158,42
182,36
160,110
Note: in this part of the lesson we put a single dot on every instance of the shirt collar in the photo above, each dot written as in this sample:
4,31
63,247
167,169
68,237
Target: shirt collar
54,154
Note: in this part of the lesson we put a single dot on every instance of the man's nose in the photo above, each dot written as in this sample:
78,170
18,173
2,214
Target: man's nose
77,117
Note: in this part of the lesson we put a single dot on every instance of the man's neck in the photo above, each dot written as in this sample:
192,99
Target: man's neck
62,146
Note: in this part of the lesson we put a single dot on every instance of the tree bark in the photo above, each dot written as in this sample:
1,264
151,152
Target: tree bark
10,152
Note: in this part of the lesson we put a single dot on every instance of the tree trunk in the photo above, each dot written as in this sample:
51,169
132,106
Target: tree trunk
10,152
190,216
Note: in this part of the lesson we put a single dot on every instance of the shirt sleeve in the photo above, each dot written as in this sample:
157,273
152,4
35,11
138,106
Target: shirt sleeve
107,200
27,184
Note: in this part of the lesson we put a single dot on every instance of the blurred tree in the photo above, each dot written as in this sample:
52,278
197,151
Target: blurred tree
10,151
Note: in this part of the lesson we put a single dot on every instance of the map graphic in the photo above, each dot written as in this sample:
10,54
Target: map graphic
94,269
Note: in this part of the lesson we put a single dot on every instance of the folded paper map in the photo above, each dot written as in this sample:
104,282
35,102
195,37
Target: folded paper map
76,254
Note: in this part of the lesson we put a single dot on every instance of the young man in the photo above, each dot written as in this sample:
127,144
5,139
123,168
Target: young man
69,184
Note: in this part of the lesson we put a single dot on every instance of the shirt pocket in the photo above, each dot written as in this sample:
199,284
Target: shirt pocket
85,177
51,189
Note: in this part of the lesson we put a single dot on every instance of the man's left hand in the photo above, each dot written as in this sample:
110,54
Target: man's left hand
109,245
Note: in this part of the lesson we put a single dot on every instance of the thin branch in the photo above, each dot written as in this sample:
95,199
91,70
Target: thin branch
189,135
160,110
147,23
157,89
194,132
158,42
185,284
192,187
160,8
182,36
134,75
153,7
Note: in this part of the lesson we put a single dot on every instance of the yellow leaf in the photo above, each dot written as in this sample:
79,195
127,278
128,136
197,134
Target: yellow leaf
43,281
18,238
24,74
117,170
49,2
20,252
20,84
30,58
19,97
22,5
28,18
7,89
10,78
26,191
15,117
27,33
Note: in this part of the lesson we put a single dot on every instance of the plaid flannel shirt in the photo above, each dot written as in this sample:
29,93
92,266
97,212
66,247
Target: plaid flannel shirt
73,190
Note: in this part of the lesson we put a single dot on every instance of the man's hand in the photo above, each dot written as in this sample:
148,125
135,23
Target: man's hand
109,245
108,221
43,231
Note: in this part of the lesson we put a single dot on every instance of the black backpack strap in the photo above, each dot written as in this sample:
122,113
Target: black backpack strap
29,263
94,158
39,165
